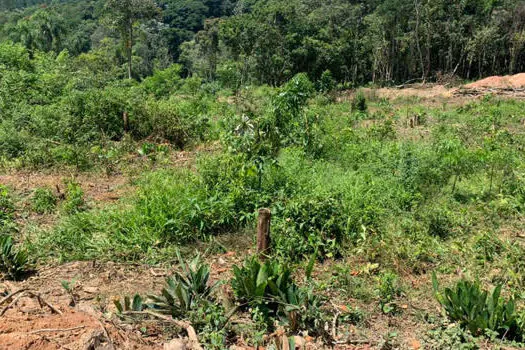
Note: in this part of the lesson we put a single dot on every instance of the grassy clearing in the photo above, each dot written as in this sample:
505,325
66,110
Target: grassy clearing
381,201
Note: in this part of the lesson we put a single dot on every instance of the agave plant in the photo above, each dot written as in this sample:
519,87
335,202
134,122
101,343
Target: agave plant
300,308
257,282
130,305
477,310
13,262
269,287
184,291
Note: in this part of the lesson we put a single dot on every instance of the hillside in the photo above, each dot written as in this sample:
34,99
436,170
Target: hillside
270,174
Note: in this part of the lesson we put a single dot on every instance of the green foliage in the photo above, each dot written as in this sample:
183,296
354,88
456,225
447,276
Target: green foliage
163,83
68,286
326,83
14,262
7,207
359,102
43,201
129,305
268,288
188,295
477,310
184,291
389,291
488,247
211,320
451,337
171,120
74,201
256,283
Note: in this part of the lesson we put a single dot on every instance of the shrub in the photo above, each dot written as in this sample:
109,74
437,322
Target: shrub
268,288
7,207
136,304
180,123
74,201
326,83
389,290
477,310
13,261
259,284
440,222
163,82
187,295
359,102
43,201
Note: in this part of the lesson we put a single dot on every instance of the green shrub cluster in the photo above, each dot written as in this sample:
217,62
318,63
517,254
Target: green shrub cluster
49,118
43,200
360,189
478,310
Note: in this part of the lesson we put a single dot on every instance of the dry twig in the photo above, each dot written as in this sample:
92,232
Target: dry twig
45,330
192,335
26,292
15,300
10,296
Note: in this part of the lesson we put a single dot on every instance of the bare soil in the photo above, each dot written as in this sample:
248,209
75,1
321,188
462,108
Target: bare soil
508,81
90,322
96,187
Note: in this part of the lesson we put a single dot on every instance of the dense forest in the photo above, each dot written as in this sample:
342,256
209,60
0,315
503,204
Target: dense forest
268,41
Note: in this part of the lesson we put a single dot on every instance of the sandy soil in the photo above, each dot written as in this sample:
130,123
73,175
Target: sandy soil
502,82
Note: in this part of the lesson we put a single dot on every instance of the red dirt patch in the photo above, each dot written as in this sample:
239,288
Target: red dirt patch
72,329
500,82
27,325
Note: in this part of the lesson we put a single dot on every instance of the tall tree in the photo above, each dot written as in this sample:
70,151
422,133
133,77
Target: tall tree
43,30
124,14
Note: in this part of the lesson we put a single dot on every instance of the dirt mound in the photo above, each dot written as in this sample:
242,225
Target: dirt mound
499,82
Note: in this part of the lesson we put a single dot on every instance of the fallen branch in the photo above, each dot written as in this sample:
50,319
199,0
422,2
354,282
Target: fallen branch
27,292
192,335
355,342
56,330
15,300
54,342
45,302
334,321
10,296
106,333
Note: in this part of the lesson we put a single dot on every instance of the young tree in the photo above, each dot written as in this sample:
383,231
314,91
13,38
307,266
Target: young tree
124,14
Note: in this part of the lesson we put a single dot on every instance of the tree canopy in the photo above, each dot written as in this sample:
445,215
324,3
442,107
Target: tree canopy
269,41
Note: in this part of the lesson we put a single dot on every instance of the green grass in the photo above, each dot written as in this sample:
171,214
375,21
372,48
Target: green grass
378,199
368,185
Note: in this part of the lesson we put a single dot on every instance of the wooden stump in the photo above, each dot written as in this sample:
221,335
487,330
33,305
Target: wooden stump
263,232
125,121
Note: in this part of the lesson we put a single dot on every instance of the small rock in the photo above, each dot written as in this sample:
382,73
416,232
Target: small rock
300,342
91,290
175,344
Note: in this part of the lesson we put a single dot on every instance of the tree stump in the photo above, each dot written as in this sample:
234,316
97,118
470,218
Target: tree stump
125,121
263,232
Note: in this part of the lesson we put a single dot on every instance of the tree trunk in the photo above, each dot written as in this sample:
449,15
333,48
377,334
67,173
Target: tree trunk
263,232
418,45
130,48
